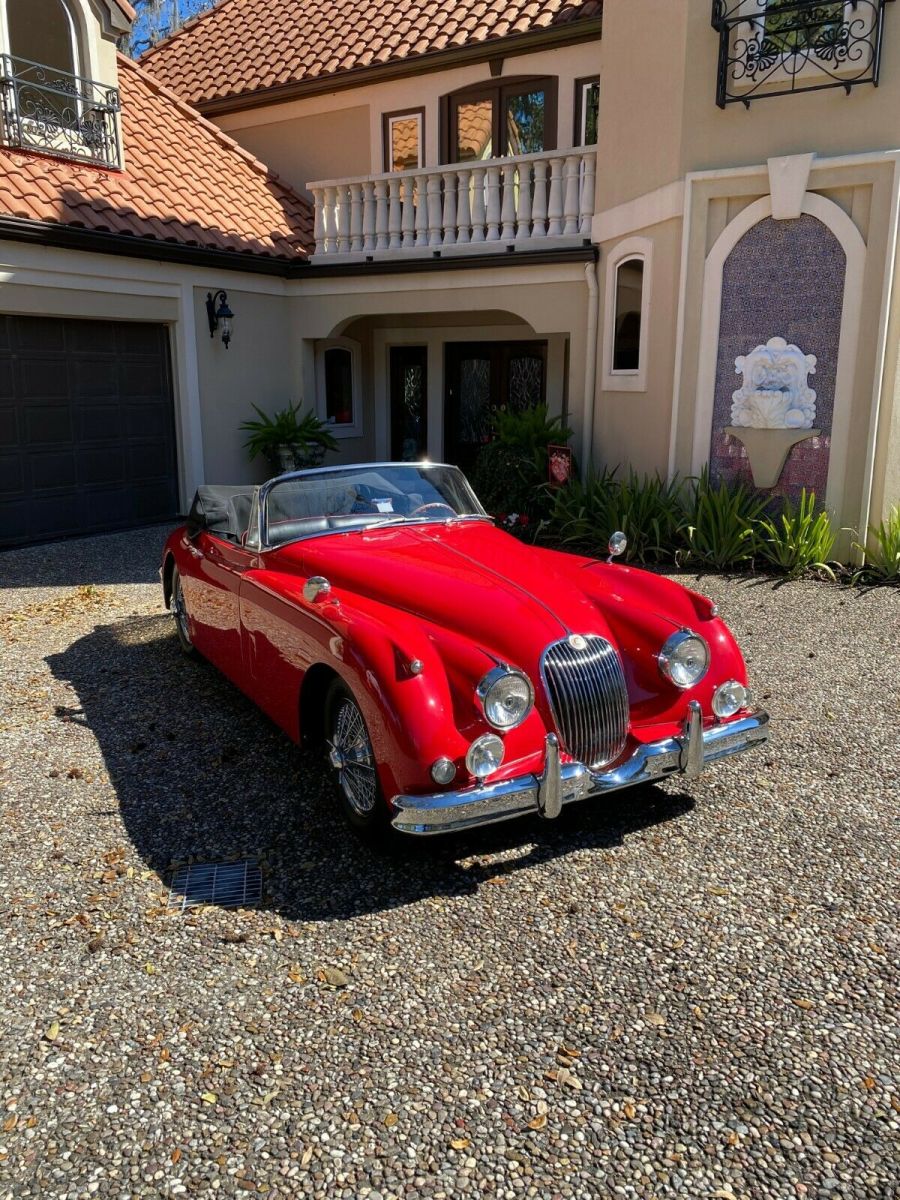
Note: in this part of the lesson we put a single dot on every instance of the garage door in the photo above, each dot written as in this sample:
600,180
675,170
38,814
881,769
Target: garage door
87,431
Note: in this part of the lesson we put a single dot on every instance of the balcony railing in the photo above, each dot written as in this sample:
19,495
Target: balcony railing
775,47
528,202
44,108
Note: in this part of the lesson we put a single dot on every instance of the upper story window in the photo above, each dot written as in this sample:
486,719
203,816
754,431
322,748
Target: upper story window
404,140
499,120
776,47
587,111
46,102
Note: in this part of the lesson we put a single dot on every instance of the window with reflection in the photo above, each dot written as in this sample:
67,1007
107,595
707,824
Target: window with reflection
629,303
404,141
587,111
498,120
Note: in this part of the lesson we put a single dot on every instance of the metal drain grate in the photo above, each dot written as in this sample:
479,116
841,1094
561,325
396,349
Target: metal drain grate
227,885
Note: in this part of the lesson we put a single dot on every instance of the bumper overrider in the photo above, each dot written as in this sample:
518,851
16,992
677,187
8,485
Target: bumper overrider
562,783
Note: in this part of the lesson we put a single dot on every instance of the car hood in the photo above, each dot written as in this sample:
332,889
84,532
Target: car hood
469,578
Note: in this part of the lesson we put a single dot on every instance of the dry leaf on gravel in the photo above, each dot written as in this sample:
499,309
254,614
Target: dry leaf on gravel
459,1143
538,1122
333,977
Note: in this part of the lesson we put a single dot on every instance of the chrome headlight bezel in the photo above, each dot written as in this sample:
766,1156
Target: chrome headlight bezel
494,680
668,657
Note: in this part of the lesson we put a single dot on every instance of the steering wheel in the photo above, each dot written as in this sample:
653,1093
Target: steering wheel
433,504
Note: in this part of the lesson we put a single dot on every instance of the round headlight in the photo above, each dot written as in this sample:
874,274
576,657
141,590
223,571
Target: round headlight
485,755
506,697
730,698
684,658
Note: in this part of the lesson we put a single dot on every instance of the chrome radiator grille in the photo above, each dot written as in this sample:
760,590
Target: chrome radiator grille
586,689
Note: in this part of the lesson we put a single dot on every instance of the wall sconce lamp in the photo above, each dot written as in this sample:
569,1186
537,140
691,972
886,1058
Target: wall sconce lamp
219,314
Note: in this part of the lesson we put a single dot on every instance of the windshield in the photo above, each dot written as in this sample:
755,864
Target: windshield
338,499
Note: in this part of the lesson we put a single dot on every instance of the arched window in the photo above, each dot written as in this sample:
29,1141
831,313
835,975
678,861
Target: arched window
626,349
627,315
338,386
44,31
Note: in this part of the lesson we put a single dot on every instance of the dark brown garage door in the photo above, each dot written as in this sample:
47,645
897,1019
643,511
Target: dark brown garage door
87,431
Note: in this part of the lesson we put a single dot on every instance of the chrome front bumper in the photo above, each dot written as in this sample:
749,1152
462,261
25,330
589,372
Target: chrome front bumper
562,783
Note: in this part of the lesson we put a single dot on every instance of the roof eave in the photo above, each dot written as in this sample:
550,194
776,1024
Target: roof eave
437,60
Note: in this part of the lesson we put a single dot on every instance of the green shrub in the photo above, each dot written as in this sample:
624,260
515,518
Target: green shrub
510,473
882,563
721,523
580,513
798,540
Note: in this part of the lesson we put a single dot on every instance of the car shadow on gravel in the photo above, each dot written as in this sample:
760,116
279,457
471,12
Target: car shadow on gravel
200,773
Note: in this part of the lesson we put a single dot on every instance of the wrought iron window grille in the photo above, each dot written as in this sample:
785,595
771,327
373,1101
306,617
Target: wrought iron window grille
778,47
44,108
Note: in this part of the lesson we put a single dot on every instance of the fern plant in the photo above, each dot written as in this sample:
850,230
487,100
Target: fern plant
798,540
287,440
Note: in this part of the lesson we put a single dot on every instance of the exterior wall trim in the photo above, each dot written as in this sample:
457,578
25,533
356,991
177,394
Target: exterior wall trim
653,208
843,228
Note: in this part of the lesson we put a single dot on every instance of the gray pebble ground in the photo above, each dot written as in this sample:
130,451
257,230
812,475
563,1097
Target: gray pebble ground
685,991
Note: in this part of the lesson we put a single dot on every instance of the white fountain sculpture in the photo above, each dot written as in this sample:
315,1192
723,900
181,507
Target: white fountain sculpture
775,393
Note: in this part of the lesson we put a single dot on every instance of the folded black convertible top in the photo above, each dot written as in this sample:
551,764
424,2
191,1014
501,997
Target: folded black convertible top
221,509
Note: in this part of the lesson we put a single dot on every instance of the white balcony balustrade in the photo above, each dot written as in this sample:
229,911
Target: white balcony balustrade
530,202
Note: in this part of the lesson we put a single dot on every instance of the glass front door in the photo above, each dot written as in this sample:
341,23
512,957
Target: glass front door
480,378
409,403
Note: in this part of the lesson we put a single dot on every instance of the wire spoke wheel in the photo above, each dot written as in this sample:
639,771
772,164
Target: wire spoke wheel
353,758
179,612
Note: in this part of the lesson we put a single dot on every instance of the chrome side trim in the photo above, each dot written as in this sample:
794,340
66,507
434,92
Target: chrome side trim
557,785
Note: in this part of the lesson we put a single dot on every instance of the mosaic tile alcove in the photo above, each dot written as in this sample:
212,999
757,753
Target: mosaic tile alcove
782,279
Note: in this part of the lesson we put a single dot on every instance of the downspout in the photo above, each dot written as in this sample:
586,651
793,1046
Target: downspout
590,367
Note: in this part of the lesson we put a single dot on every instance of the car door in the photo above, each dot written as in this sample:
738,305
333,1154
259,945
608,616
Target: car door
282,635
214,604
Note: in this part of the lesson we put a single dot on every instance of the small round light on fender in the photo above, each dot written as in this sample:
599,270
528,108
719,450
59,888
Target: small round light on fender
730,698
485,755
443,770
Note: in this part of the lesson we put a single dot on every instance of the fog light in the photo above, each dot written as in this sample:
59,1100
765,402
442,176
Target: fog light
485,755
730,698
443,770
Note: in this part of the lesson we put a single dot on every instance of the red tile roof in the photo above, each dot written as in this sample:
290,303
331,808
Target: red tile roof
243,46
184,181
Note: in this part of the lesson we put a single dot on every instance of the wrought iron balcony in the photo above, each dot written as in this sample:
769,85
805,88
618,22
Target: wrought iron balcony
526,202
776,47
56,112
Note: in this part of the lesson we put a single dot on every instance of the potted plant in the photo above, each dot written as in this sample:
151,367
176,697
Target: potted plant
287,440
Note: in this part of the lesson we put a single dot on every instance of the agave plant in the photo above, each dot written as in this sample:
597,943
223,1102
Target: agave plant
799,540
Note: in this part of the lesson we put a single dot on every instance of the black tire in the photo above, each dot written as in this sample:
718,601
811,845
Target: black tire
351,759
180,614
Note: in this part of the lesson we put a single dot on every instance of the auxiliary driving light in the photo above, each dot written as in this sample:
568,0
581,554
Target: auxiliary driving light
485,755
730,698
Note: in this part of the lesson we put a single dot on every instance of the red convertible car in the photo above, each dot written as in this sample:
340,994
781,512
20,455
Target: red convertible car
457,676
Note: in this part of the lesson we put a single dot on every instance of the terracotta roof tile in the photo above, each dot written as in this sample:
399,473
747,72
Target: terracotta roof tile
243,46
184,181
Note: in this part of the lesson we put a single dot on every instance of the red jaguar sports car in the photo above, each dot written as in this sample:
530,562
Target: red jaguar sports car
455,675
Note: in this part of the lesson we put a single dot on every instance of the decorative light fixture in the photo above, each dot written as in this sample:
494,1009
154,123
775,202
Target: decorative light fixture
219,314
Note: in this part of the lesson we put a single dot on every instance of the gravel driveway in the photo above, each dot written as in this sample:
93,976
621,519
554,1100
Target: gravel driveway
688,990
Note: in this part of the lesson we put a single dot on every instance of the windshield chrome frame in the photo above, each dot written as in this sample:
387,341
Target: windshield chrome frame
262,495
